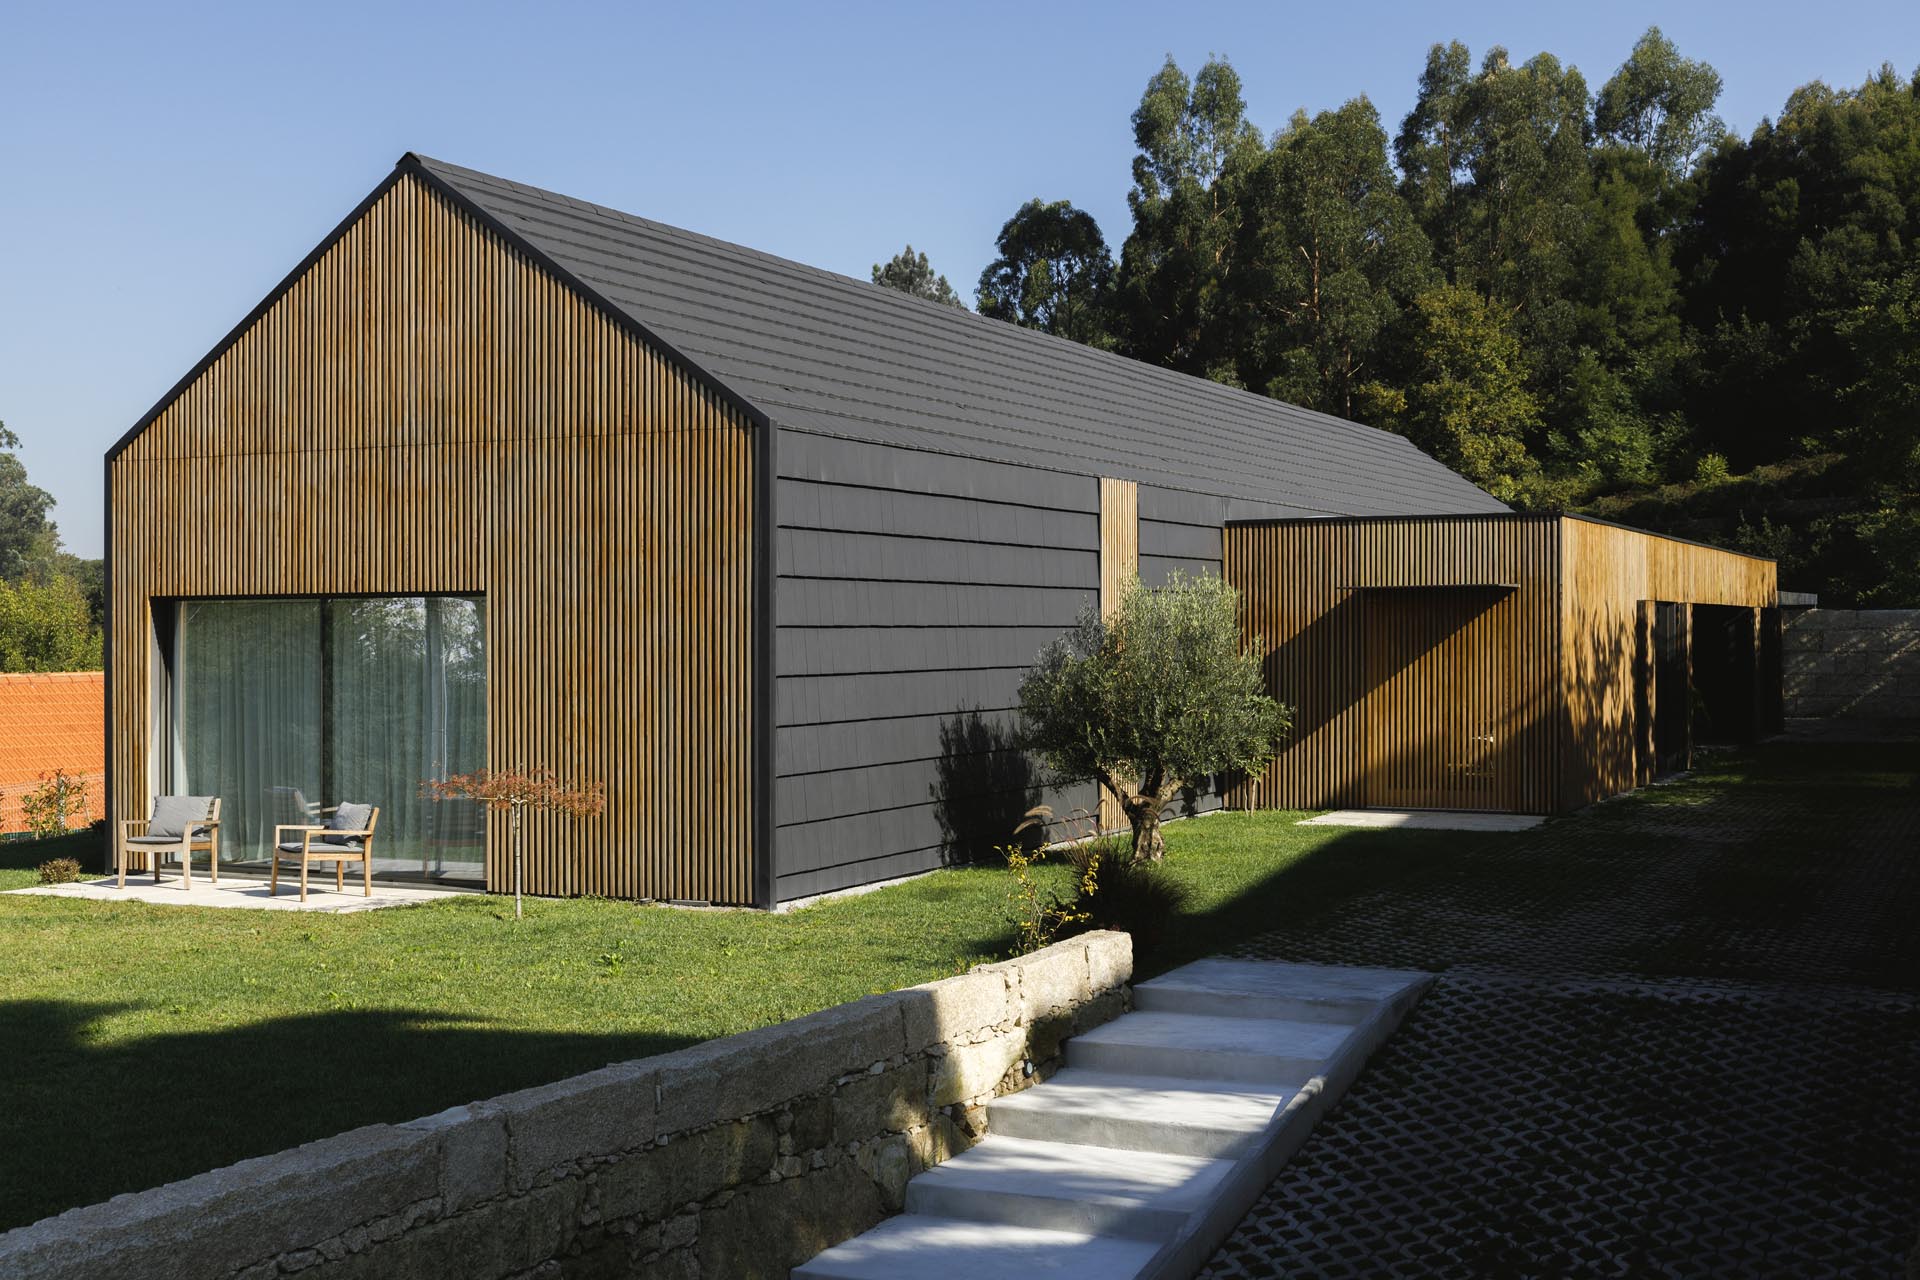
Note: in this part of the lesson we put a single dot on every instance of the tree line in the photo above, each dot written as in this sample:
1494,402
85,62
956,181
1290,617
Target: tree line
51,602
1583,300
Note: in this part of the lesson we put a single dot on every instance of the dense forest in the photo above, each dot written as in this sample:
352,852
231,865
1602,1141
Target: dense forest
1588,300
1598,301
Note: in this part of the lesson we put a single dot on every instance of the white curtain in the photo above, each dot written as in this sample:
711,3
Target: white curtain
284,706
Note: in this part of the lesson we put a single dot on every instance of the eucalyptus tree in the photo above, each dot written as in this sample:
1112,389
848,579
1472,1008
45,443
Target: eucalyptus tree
1329,256
1054,273
26,535
1196,149
1660,105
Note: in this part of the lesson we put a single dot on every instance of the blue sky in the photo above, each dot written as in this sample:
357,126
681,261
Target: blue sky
165,165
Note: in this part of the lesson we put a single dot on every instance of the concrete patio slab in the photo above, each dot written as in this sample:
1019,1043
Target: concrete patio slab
235,891
1426,820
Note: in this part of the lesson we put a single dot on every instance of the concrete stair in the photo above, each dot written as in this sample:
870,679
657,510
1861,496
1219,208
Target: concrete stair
1208,1047
1164,1127
1140,1113
1063,1186
912,1247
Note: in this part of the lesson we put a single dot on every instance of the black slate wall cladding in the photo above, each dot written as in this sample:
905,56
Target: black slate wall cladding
914,590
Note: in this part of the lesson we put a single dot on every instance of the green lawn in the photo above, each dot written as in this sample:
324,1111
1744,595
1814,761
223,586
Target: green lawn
145,1043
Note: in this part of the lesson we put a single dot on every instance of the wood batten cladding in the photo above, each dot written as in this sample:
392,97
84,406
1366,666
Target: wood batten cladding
1326,600
1119,539
1606,572
1119,566
1490,662
426,409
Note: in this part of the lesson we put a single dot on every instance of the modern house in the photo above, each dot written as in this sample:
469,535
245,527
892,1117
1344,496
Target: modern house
496,476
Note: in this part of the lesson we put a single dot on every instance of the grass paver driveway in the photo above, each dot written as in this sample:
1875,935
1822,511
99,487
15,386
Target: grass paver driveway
1676,1035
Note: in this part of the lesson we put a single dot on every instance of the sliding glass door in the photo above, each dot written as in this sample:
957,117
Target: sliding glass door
285,708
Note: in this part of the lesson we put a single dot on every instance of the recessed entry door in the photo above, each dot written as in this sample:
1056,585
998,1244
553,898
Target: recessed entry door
1438,699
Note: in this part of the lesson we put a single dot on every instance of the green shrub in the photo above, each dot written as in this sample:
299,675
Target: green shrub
1711,470
1130,895
1040,916
59,871
1152,697
51,807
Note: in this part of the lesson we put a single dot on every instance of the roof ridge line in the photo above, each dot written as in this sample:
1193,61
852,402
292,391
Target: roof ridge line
1128,363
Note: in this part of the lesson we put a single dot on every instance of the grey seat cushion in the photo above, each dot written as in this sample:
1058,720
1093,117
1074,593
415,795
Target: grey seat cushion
172,814
320,847
170,842
348,817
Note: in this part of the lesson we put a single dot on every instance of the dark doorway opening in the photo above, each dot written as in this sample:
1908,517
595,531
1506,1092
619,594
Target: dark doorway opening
1772,699
1725,673
1672,688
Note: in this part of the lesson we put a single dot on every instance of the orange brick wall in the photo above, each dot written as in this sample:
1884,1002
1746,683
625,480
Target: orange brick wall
48,721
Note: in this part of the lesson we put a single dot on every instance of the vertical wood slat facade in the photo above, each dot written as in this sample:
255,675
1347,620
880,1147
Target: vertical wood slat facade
1496,662
1119,539
1324,597
1606,572
1119,565
423,411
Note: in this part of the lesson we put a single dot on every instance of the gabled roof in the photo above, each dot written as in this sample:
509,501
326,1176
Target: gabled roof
815,351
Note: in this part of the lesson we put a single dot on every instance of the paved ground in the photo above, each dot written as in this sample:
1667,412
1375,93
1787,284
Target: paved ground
1426,820
1677,1035
241,891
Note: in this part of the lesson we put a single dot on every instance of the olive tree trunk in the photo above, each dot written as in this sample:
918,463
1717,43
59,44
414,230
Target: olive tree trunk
1143,815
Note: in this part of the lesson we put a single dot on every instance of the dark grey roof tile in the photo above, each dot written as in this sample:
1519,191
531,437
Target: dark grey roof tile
821,352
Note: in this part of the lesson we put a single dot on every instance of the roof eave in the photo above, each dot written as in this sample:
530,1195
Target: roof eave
415,164
412,164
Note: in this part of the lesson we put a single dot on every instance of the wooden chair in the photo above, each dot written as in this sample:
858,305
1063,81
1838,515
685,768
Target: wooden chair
181,825
347,837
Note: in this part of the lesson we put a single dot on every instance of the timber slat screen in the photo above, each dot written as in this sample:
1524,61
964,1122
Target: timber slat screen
1119,565
1498,662
1119,539
1402,646
424,411
1606,571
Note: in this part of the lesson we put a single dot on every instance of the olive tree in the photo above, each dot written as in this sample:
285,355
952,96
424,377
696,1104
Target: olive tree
1152,698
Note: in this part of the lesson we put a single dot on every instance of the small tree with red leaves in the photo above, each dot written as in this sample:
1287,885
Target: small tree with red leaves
516,791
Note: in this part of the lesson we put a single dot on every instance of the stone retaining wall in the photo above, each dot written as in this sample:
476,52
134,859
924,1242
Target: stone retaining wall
736,1158
1855,664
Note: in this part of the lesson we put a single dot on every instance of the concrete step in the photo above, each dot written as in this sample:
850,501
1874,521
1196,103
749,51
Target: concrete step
1264,989
945,1249
1345,1011
1136,1160
1140,1113
1204,1047
1060,1186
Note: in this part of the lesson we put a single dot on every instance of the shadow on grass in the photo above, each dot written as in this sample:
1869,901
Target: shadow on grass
184,1103
88,847
1783,862
1318,883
